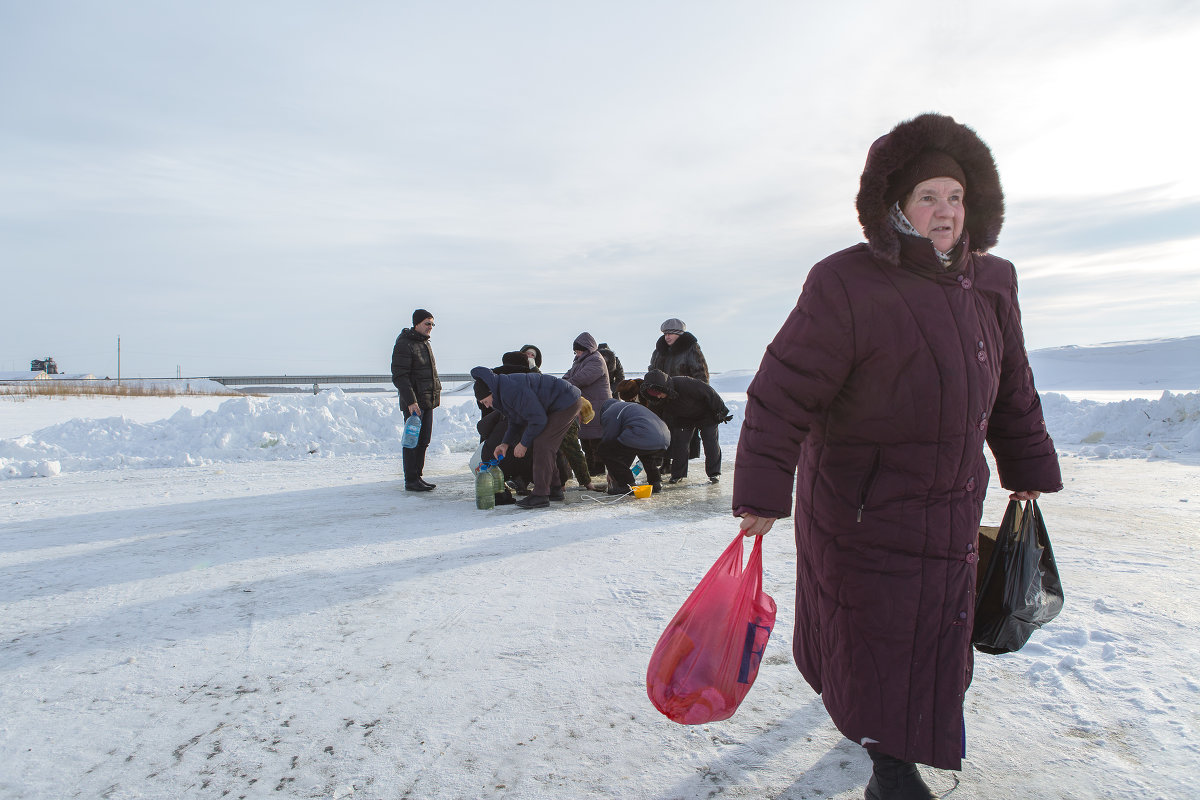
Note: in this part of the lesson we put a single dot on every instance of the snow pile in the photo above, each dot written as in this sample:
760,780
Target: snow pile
334,423
245,429
1163,428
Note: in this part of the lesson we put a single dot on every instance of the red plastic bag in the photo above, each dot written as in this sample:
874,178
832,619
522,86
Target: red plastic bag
707,658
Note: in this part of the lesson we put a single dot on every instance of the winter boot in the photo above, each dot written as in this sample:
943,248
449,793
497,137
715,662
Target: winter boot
533,501
894,779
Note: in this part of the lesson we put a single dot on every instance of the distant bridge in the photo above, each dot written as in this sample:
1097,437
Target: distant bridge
319,380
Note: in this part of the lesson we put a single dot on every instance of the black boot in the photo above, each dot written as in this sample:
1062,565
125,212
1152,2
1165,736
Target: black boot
894,779
417,486
533,501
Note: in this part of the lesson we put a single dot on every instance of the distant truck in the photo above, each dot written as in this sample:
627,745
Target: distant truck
45,365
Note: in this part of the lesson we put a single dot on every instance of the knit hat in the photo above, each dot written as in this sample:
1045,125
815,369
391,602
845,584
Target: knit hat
656,379
925,165
482,390
515,359
673,325
420,315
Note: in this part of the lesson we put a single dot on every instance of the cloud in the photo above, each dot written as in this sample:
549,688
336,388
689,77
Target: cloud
1097,225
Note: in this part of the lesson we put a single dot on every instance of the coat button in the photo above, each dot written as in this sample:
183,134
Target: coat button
982,356
983,424
970,484
966,283
972,558
962,615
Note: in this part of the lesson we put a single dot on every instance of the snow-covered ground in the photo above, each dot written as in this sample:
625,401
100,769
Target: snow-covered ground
236,598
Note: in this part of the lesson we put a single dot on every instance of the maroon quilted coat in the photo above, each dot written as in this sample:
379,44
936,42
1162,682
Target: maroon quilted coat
876,398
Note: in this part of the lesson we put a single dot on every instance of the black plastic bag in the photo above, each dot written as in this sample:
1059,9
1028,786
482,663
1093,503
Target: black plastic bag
1019,589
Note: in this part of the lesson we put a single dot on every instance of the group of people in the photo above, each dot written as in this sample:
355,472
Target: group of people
902,358
591,423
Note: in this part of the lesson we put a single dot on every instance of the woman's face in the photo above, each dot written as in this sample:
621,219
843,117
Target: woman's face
935,208
670,337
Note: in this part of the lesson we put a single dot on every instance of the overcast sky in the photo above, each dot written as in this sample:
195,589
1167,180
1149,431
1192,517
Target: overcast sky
273,187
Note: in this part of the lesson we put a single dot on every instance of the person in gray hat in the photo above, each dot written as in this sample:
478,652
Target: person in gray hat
677,353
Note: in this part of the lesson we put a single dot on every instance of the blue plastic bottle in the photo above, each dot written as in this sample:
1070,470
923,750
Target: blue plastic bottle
412,431
637,468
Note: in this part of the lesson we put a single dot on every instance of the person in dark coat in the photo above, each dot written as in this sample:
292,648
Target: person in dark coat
539,409
589,372
518,472
414,374
511,363
901,359
632,431
534,354
687,405
677,352
616,372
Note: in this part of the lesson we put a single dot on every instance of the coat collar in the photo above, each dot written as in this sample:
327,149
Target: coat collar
918,256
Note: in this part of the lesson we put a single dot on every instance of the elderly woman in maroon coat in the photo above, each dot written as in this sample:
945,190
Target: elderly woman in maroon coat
902,357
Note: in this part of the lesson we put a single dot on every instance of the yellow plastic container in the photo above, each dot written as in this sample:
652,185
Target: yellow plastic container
642,491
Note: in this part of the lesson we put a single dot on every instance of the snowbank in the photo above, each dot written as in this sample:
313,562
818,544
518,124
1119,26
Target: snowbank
1165,428
333,423
243,429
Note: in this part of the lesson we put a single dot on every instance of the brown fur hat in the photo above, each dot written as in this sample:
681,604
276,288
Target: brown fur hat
629,389
889,161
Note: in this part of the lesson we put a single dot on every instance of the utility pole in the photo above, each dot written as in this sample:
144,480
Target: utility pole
118,360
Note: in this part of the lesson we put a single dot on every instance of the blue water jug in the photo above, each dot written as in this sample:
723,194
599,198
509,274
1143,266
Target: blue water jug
412,431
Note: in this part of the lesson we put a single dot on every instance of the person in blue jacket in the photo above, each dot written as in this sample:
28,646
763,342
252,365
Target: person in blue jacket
631,430
539,409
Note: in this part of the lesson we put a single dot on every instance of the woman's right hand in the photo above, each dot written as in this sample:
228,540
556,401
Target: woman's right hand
756,526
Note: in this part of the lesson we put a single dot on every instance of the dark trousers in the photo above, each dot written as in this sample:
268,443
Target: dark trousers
678,452
545,446
574,456
414,457
618,458
595,464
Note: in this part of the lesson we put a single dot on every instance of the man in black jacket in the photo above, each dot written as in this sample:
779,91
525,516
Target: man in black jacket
687,405
414,374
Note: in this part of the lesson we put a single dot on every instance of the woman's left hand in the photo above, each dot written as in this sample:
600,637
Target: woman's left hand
1022,496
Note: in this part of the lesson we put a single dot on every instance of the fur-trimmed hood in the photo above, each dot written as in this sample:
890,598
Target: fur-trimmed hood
889,154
